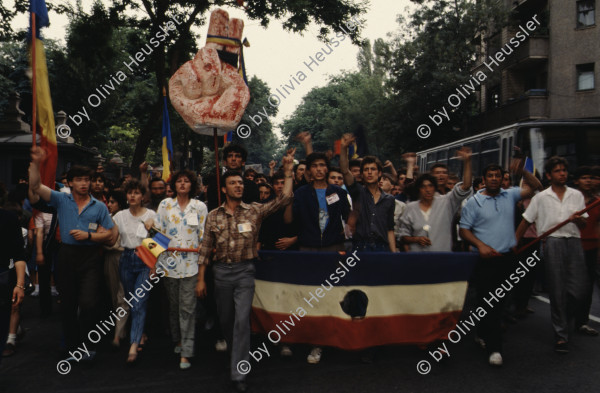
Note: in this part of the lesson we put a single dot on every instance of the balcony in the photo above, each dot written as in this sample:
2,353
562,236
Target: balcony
531,106
530,53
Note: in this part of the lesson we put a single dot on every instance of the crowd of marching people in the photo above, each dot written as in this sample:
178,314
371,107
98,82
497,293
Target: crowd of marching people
83,236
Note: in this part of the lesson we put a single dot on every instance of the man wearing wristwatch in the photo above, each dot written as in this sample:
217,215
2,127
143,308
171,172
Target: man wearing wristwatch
85,225
11,253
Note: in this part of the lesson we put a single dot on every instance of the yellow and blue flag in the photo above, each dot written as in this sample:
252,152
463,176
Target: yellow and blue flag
167,144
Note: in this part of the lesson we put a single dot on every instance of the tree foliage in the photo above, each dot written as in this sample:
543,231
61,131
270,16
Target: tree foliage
402,80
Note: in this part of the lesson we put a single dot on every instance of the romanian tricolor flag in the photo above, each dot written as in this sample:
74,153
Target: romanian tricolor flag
167,144
359,300
152,247
42,102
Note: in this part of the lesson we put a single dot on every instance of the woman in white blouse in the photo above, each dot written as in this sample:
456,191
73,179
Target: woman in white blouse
132,225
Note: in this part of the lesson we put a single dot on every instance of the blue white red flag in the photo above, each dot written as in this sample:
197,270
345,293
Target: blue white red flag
359,300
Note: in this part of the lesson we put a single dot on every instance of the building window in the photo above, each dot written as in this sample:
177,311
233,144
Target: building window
585,76
585,13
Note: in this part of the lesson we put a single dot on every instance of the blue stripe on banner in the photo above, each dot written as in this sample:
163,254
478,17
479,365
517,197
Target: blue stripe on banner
373,268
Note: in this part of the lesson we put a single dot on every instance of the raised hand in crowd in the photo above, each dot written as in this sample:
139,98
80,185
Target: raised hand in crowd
464,154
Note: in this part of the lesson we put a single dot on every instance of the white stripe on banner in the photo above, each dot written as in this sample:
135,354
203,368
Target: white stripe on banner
384,300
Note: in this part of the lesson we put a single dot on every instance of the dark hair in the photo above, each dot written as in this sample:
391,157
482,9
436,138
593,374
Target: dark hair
422,178
261,176
155,179
229,174
336,169
491,168
553,162
583,171
266,185
453,176
191,177
134,184
276,176
354,163
312,157
235,148
596,170
119,197
97,175
79,171
371,160
476,183
390,177
250,170
438,166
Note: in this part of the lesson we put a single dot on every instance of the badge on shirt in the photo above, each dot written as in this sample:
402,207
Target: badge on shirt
141,231
191,219
244,228
333,198
92,227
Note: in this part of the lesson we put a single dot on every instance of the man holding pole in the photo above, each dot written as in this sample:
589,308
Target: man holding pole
566,275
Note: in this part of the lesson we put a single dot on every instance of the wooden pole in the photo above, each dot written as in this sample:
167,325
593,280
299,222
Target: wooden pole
557,227
217,165
33,82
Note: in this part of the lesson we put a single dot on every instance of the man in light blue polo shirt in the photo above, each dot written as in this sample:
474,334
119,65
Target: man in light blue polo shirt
85,225
487,222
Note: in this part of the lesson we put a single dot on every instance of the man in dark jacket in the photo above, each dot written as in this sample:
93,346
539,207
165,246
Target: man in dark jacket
319,209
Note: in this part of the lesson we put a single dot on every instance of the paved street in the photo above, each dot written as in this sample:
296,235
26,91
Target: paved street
530,365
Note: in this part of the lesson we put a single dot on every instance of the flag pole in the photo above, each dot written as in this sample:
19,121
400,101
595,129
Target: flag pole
217,165
33,81
557,227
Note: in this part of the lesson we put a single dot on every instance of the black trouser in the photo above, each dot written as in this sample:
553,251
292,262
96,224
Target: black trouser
44,272
5,306
490,273
593,271
79,274
525,286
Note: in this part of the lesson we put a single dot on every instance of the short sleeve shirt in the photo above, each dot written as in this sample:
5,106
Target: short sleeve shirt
547,210
491,219
94,214
132,228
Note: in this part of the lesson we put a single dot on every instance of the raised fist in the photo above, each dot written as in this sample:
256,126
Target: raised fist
207,91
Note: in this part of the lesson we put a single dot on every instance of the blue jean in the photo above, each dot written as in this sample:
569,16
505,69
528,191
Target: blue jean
134,274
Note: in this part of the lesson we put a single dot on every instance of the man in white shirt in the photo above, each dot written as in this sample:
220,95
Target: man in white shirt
562,251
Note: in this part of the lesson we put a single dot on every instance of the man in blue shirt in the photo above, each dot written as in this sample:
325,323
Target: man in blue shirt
85,225
487,222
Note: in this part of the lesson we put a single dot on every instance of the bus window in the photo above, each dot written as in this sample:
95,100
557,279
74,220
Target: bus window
490,157
504,163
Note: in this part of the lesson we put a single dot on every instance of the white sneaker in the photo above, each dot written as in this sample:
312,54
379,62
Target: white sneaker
221,346
495,359
314,356
53,291
35,293
285,351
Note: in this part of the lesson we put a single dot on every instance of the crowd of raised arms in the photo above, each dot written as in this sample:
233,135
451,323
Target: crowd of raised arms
78,242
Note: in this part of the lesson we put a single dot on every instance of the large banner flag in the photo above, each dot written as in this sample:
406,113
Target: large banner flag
167,144
42,101
359,300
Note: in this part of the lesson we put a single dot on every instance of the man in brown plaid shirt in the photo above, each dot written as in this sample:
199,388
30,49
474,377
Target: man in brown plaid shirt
232,229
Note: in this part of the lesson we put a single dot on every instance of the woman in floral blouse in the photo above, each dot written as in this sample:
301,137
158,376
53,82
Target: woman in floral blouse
182,218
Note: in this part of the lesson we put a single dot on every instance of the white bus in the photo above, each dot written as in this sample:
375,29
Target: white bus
576,140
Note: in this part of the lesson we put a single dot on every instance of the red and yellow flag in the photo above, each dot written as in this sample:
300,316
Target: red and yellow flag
42,101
